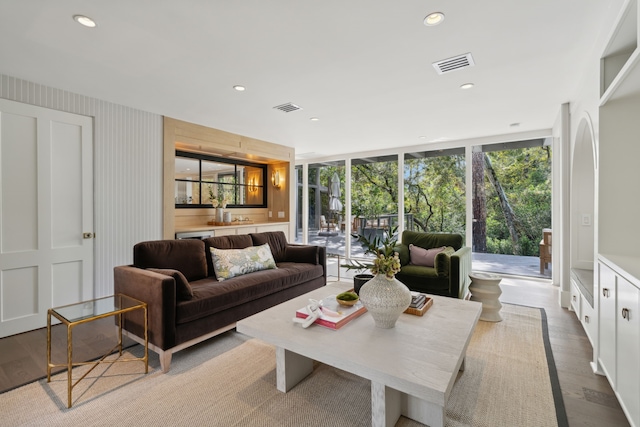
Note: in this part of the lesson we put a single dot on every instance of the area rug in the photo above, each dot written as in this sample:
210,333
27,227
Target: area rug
509,380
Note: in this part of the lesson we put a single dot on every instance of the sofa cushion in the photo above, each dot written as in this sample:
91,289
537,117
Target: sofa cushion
301,253
424,257
276,240
228,263
186,255
211,296
233,241
183,289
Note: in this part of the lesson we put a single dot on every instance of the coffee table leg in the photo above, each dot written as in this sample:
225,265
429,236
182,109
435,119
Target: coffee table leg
291,368
422,411
385,405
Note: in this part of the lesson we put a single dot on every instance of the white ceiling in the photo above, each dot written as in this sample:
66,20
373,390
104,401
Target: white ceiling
363,67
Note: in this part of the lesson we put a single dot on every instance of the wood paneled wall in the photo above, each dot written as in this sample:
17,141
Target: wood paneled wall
201,139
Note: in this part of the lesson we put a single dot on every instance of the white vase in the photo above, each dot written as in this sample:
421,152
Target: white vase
385,299
220,215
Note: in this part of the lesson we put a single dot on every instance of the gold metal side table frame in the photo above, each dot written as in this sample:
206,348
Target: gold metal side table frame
87,311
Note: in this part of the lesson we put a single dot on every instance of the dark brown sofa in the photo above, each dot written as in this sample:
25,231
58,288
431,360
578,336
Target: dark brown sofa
182,314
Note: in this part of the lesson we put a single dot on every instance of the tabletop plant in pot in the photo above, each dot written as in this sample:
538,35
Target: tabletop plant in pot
384,296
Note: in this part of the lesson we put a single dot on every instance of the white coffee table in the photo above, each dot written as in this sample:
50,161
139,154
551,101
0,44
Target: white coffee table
412,367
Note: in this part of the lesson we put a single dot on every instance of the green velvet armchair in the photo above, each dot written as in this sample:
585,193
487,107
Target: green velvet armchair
450,274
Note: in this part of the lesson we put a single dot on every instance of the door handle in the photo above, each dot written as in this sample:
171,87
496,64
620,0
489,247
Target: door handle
625,313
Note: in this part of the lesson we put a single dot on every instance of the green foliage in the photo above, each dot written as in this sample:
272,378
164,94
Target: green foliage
374,189
525,175
435,193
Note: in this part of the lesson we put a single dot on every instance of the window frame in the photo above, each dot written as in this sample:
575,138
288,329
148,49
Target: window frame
236,186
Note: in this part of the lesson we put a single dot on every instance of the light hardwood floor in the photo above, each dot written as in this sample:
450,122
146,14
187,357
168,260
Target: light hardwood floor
588,398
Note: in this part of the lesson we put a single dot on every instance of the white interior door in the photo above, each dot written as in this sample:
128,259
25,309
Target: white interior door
46,207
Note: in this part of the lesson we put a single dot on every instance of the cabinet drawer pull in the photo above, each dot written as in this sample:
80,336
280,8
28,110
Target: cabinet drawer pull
586,319
605,292
625,313
574,297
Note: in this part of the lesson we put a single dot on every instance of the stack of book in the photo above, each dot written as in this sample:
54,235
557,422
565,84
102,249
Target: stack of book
418,300
419,304
336,316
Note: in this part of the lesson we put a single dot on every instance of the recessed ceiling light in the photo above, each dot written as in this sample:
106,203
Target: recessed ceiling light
422,137
84,20
466,86
314,119
434,18
239,88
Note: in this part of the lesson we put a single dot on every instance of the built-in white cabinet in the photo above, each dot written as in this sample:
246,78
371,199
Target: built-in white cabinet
607,344
628,348
617,353
619,338
582,302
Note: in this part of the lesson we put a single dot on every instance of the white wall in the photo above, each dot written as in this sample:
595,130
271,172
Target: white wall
127,168
585,102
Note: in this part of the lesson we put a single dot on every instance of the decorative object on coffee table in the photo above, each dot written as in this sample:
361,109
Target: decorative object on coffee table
384,296
347,299
359,280
485,288
386,299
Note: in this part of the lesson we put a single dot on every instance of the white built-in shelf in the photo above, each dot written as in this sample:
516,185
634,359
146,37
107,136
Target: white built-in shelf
618,72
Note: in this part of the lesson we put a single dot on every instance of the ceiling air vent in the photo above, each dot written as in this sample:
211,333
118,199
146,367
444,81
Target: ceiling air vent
455,63
288,107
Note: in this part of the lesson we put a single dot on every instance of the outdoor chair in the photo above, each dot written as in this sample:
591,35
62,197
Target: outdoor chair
545,250
439,263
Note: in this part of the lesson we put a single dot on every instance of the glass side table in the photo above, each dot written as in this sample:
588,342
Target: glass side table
87,311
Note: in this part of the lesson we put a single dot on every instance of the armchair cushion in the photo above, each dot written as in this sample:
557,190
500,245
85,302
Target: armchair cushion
425,257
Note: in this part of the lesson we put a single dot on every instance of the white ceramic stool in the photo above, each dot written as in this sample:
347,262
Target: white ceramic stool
485,288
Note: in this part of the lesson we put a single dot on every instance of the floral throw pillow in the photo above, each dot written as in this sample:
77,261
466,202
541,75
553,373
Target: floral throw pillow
228,263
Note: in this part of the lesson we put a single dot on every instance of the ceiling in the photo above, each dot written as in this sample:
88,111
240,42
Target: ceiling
362,67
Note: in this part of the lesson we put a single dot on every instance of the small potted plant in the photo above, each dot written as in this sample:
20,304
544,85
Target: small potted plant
382,247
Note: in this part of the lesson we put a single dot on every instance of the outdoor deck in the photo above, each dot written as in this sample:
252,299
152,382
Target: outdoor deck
528,266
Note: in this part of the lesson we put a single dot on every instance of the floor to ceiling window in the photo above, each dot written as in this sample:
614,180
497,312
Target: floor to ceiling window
374,198
509,201
511,205
326,206
434,195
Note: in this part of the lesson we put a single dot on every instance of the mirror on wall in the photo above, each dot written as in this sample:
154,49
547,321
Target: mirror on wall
199,179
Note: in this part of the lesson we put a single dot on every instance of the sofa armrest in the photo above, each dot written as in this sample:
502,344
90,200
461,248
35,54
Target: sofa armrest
403,254
460,264
159,292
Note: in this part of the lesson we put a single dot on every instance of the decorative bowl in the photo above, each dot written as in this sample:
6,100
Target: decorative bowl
347,298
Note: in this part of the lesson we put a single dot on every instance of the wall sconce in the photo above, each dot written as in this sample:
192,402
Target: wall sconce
253,187
275,179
